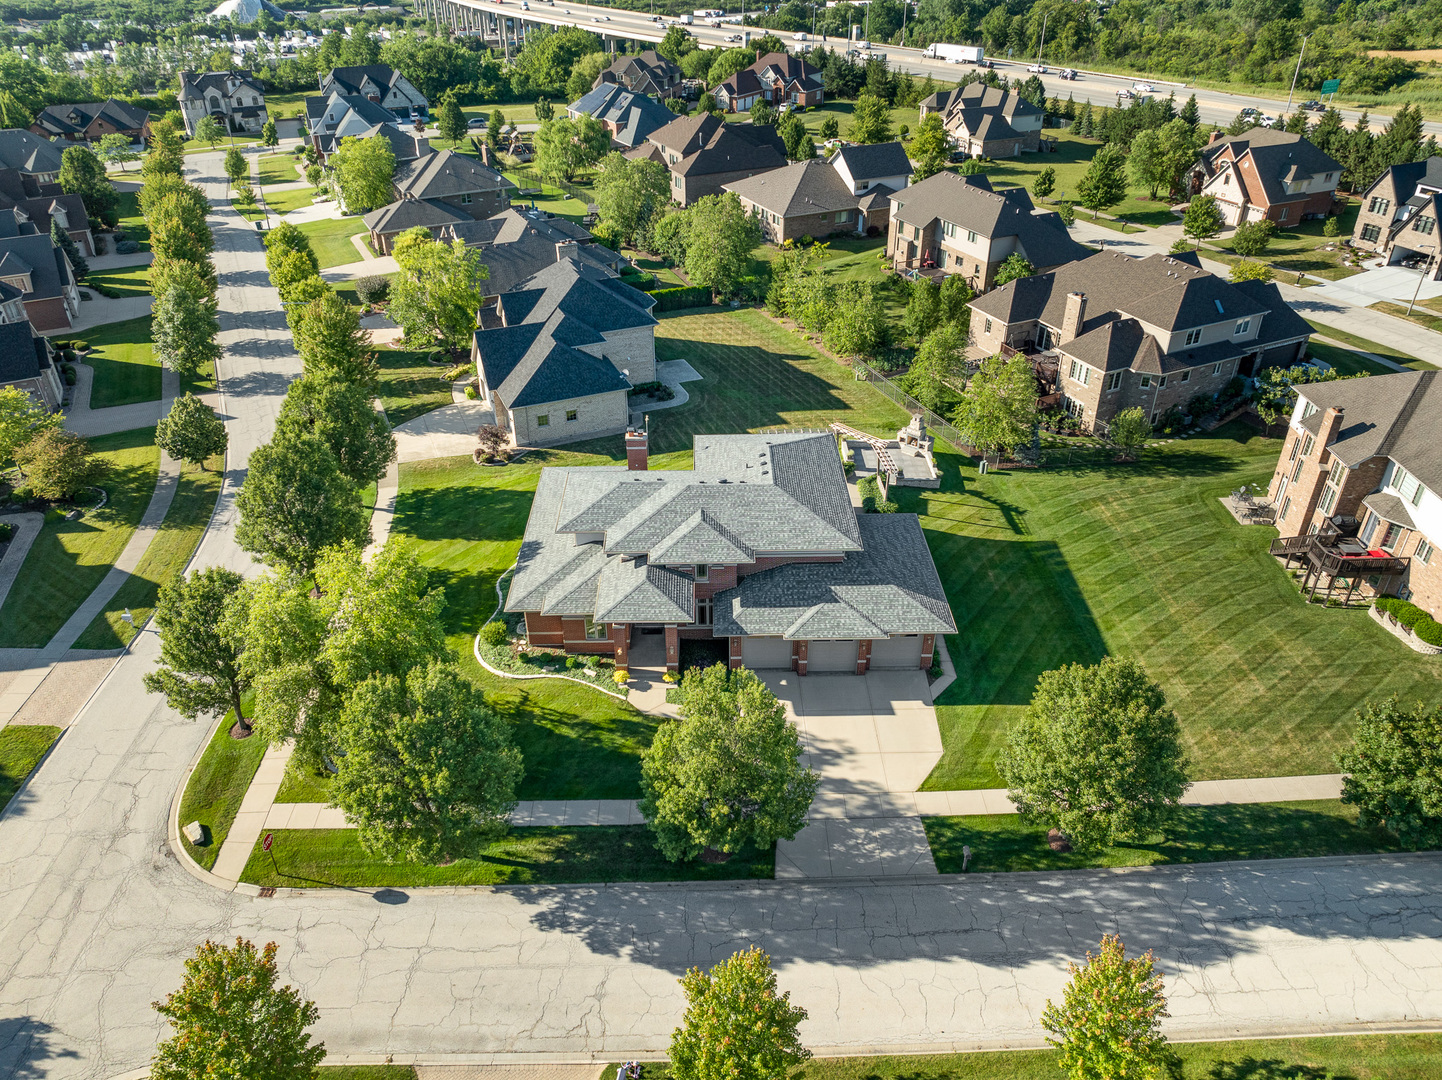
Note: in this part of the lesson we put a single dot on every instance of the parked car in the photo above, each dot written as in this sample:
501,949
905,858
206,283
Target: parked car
1268,120
1314,106
1037,69
476,122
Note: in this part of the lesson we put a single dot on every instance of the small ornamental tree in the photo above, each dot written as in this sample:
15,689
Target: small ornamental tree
1045,182
116,149
728,774
268,135
232,1018
209,130
1250,270
831,128
1108,1025
191,431
58,464
1394,772
201,619
1129,431
1098,754
451,121
930,150
763,112
1253,237
737,1026
429,770
1203,218
1104,184
235,164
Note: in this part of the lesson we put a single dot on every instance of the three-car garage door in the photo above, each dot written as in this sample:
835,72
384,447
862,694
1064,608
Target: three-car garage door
824,656
765,653
901,651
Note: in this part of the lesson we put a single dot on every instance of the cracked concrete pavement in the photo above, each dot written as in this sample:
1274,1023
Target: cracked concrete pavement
98,916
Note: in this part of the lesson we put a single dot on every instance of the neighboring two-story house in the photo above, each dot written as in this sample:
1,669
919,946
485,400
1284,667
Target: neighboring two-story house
646,72
40,204
91,121
1266,173
757,543
779,78
704,153
234,98
520,242
436,191
629,117
572,341
957,224
984,121
1399,214
1151,333
383,85
336,116
848,192
26,361
33,264
1358,485
34,157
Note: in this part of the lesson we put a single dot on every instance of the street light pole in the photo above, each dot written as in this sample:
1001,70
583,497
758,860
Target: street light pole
1042,44
1298,71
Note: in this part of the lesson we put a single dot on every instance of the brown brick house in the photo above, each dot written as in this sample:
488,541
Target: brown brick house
985,121
91,121
758,544
704,153
646,72
1266,173
1399,214
436,191
1358,484
1151,333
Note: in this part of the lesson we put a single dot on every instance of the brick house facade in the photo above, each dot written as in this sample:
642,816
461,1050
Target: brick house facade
1266,173
1399,213
703,153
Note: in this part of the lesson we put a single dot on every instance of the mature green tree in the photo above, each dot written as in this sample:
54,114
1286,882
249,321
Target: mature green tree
184,329
495,124
763,113
201,620
1274,392
721,238
451,121
58,464
436,296
564,147
1148,163
174,236
363,170
232,1018
329,338
930,149
191,431
792,131
1045,182
344,415
632,195
194,277
727,62
1251,238
1203,219
209,130
737,1024
1098,754
936,369
871,120
116,149
956,294
21,419
429,770
63,240
671,235
728,774
296,502
860,325
923,309
1104,184
1108,1025
676,43
167,154
83,174
285,238
1394,771
1190,113
998,411
268,134
1013,267
1250,270
161,185
831,129
235,165
1129,431
545,61
289,270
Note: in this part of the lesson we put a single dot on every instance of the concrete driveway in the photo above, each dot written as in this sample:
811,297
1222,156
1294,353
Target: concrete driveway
1395,283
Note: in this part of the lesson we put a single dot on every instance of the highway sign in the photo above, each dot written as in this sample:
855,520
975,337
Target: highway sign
1331,86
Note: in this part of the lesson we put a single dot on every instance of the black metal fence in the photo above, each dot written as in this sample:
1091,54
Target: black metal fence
939,425
529,176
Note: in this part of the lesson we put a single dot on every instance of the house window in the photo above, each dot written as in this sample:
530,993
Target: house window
1296,445
1329,499
1370,233
970,237
570,414
1283,215
1336,473
704,608
988,327
1297,472
1193,336
1162,383
1187,375
544,420
1308,410
1146,382
1307,444
703,572
1242,327
1286,505
1425,225
595,631
1114,381
1378,205
466,198
1389,536
1424,551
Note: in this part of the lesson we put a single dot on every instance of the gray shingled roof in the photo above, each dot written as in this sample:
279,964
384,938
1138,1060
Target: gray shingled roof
19,357
1389,508
409,213
593,297
707,144
803,187
635,115
633,590
890,587
49,270
447,173
28,152
871,161
1409,174
1396,416
538,362
74,119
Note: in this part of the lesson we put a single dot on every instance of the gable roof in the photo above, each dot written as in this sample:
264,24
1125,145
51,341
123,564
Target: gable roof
46,264
803,187
707,144
406,214
646,72
516,244
75,119
445,173
195,84
635,115
743,84
20,352
600,301
788,68
1395,416
28,152
873,161
353,78
1270,157
969,202
1406,177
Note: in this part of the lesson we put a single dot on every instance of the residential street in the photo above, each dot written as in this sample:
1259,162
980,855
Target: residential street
100,915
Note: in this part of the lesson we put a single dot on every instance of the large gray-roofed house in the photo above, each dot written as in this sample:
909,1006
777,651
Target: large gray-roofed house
572,341
516,244
436,191
806,198
30,154
388,222
645,72
1266,173
986,121
757,543
379,83
627,115
40,270
25,356
703,153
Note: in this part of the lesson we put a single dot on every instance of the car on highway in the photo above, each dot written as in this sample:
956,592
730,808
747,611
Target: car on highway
1125,93
802,36
1144,88
1069,74
1314,106
657,18
1249,113
733,37
1038,69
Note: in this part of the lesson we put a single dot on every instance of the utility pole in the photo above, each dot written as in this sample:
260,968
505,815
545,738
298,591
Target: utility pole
1297,72
1042,44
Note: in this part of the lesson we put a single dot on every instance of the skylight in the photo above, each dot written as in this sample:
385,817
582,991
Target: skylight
1219,307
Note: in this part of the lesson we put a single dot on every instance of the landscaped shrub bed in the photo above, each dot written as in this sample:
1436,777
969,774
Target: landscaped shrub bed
656,390
869,488
513,655
1409,615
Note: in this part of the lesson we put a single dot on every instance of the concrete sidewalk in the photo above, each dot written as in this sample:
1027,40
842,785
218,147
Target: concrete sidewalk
27,528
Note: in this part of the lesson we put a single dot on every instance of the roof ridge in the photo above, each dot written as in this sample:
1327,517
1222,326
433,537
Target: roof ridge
1408,410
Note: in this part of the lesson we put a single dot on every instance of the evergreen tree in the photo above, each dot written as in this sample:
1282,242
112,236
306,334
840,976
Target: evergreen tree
1356,157
1296,123
1085,124
1105,182
1190,113
1401,142
1329,134
63,240
268,134
452,122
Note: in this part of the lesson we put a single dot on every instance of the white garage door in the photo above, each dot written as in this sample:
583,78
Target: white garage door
765,653
831,656
901,651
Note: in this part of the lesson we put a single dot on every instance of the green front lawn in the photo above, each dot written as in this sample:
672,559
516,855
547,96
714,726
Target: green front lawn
123,281
126,370
330,239
1068,565
132,223
307,858
283,202
166,558
1301,248
278,168
195,146
302,783
1292,830
69,559
410,385
214,792
367,1072
21,748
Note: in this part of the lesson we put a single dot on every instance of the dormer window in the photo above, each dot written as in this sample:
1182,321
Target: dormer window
1242,327
1193,336
703,572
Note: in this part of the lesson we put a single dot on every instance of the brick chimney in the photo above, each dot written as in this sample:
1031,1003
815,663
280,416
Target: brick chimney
1074,316
1331,425
636,453
1216,136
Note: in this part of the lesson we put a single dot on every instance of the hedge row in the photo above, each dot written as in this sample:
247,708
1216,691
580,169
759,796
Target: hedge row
869,488
685,296
1413,618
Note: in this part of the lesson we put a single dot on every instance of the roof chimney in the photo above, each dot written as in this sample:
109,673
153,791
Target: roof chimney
565,249
1331,425
1216,135
1074,316
636,453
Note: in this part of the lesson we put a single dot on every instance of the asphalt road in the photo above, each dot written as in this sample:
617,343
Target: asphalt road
1215,106
97,917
